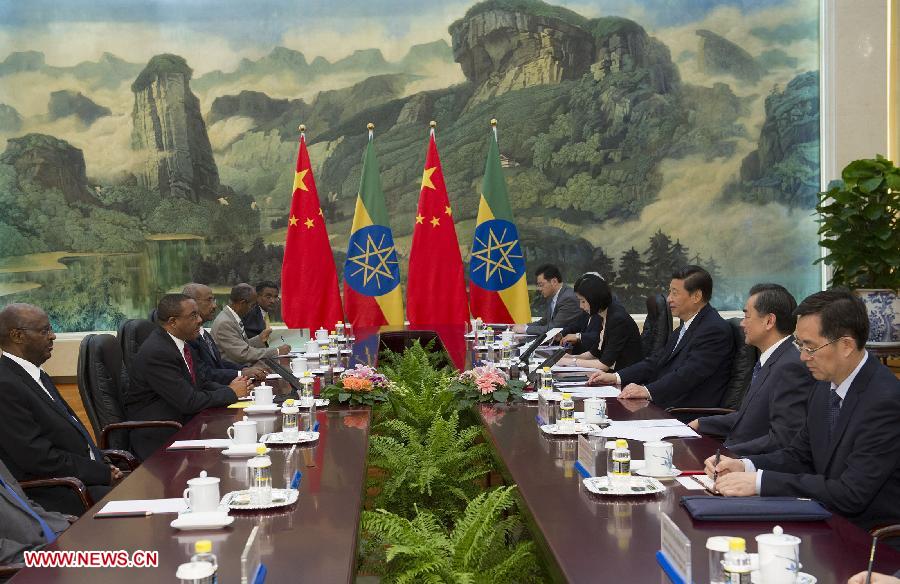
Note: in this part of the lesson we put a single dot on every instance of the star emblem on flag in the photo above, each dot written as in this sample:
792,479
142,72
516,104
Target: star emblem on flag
497,260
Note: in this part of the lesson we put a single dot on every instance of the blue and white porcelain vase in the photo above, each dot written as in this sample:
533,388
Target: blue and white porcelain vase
883,307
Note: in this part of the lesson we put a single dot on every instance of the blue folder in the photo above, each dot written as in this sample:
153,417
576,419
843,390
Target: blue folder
706,508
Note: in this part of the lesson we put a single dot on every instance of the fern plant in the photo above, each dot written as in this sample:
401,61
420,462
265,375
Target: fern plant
483,546
435,470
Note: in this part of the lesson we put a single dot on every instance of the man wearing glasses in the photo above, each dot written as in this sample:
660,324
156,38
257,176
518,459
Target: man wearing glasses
846,455
40,436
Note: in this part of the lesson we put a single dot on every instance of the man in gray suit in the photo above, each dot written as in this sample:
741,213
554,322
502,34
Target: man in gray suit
24,525
562,304
228,330
774,408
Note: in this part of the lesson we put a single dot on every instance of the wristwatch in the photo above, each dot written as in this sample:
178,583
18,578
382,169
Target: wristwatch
578,336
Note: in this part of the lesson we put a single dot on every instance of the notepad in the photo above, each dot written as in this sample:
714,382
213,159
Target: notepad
648,430
199,444
240,405
690,483
586,391
145,505
572,369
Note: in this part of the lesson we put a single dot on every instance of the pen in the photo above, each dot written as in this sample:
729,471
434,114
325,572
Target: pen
291,451
123,514
716,465
871,560
316,427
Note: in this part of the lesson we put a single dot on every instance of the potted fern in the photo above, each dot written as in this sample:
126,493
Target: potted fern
859,218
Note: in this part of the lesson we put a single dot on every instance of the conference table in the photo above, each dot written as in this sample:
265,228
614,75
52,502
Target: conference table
590,538
313,540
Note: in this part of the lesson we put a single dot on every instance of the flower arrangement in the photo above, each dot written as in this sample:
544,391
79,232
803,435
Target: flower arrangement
484,384
361,386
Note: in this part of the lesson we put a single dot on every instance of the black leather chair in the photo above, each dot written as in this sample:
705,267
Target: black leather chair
657,326
102,381
745,357
132,333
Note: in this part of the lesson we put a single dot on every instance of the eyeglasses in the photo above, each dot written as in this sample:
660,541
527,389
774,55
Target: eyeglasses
45,331
811,352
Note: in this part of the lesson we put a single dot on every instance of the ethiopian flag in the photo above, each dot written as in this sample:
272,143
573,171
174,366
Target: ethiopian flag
497,291
371,272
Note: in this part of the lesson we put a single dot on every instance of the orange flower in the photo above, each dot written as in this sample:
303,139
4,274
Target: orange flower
356,384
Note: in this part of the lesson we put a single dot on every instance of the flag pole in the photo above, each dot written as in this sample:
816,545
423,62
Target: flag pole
433,125
494,128
371,127
302,129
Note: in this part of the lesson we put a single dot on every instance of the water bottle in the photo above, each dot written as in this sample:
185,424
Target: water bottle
289,413
260,469
202,567
348,332
339,329
546,381
489,337
505,353
566,421
737,562
306,393
620,473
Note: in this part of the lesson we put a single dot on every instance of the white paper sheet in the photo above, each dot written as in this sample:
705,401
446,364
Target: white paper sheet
208,443
137,505
572,369
689,483
550,334
585,391
648,430
273,376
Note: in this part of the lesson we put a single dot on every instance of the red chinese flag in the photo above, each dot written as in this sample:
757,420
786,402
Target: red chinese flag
310,297
436,289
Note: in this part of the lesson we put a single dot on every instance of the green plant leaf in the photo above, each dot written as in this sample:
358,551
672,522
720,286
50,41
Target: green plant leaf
870,184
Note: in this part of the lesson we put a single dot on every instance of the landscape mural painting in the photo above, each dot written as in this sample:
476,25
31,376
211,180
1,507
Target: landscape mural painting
149,144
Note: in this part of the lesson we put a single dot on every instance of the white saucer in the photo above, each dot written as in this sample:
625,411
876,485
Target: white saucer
802,578
675,472
312,356
242,450
240,500
262,409
577,428
320,403
207,520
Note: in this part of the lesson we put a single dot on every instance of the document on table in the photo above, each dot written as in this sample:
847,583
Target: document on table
144,505
690,484
273,376
648,430
200,444
550,334
572,369
585,391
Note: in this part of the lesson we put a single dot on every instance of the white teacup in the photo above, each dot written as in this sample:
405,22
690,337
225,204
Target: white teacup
202,494
262,395
779,557
658,458
594,410
312,347
299,366
243,431
321,335
507,336
266,424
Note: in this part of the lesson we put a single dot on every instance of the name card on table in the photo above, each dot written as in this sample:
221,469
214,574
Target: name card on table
590,448
546,410
675,555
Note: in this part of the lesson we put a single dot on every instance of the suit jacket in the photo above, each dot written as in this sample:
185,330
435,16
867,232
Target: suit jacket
692,373
19,531
589,325
254,322
161,388
40,437
211,362
566,312
235,345
773,409
857,472
621,341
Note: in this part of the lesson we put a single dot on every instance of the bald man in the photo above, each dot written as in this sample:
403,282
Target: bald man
40,436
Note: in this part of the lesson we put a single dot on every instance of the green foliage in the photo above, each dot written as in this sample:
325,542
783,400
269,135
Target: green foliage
467,393
483,547
860,225
436,469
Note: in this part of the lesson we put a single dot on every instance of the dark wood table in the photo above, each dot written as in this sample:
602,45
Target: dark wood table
313,540
593,539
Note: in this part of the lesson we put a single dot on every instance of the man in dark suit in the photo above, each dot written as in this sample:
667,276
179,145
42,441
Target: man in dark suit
211,362
562,304
257,319
774,407
165,382
694,369
40,436
24,525
846,455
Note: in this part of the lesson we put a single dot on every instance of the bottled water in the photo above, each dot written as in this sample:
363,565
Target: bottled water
566,421
737,562
203,566
289,413
260,470
620,473
546,381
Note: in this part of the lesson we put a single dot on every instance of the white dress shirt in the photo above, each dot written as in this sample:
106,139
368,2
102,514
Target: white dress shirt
768,352
180,344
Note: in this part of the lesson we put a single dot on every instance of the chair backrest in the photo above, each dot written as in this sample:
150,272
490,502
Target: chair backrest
745,357
101,383
132,333
657,326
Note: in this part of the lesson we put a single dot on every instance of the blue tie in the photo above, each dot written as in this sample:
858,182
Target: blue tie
49,534
834,410
756,369
58,402
680,336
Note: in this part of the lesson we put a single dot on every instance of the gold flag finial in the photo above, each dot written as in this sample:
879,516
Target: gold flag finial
494,122
432,124
302,127
370,126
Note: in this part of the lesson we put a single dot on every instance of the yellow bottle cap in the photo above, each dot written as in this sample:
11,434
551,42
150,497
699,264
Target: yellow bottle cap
546,370
204,546
289,402
737,544
567,396
621,443
260,450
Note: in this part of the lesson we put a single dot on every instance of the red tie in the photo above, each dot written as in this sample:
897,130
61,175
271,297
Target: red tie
190,363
